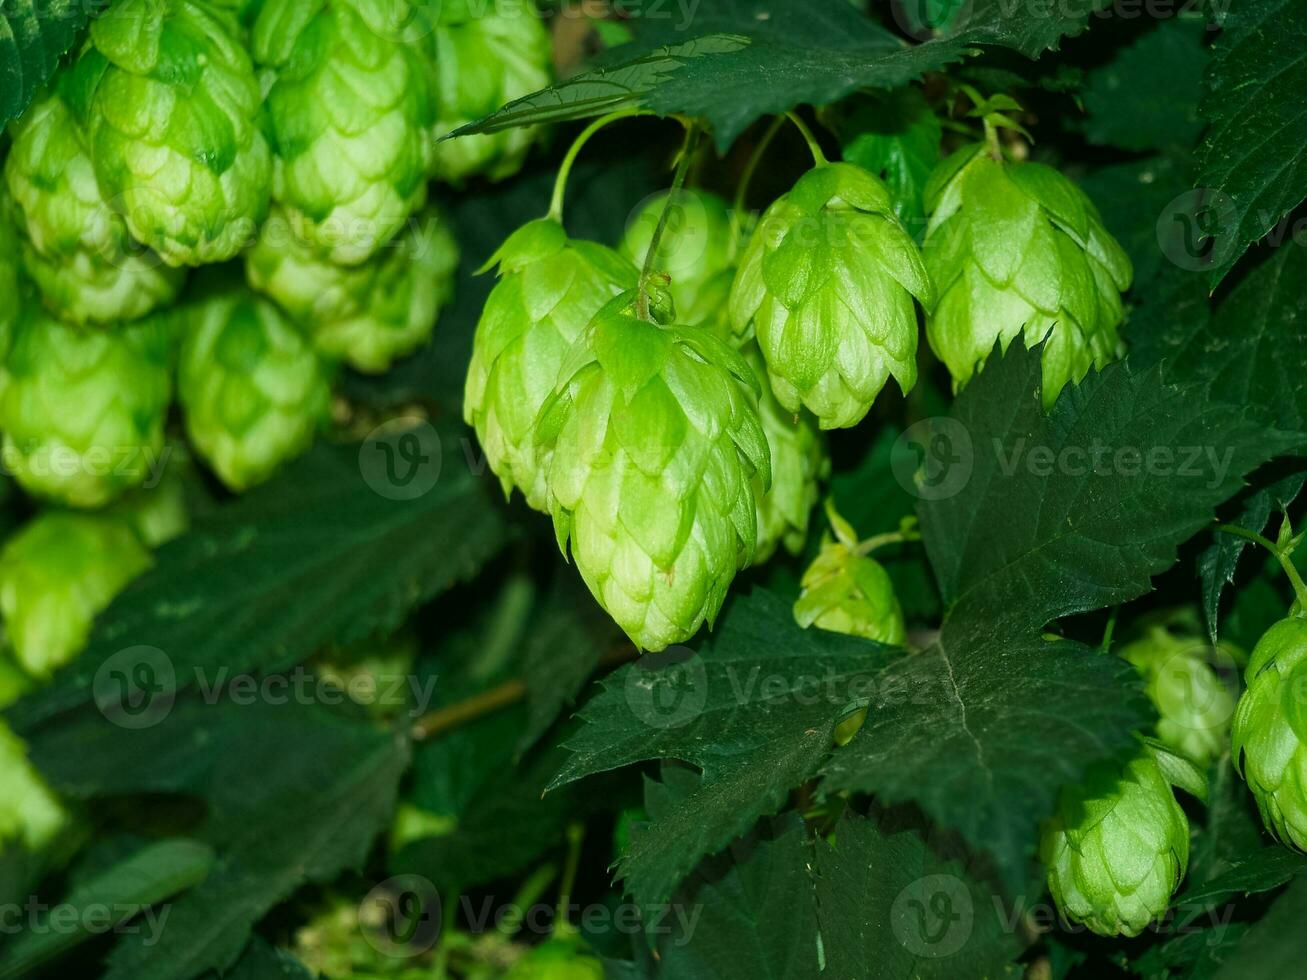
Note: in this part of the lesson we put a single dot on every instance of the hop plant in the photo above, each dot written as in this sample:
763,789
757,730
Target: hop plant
484,55
349,115
1016,248
561,958
171,108
1116,848
56,574
367,314
76,248
845,591
1270,728
83,411
252,388
158,511
1194,706
550,287
10,298
654,439
826,283
30,813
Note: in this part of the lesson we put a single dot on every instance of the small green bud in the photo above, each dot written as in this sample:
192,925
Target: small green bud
1017,248
1117,847
846,592
550,286
827,283
557,959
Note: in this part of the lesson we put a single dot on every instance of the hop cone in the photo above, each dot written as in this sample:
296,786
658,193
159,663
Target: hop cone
83,411
9,272
486,54
827,282
696,250
171,106
252,387
1193,704
549,288
557,959
1270,728
350,113
56,574
367,314
655,439
1116,848
158,511
29,812
846,592
1013,248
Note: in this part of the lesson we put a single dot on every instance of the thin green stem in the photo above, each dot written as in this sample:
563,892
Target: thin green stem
678,181
1108,630
565,168
867,546
746,178
818,158
575,837
1283,555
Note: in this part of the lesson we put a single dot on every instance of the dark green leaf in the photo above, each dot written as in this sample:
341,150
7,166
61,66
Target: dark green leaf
262,961
34,35
1273,946
1266,870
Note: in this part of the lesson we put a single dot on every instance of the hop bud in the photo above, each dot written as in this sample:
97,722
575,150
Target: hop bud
1116,848
481,61
29,811
827,282
1193,704
366,314
549,288
847,592
157,511
83,411
557,959
252,388
696,250
56,574
171,107
1017,248
655,439
77,248
350,113
1270,728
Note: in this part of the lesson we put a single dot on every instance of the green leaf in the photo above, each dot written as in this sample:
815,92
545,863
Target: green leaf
263,961
755,913
1255,151
34,35
1265,871
896,899
316,556
1231,831
1272,947
148,876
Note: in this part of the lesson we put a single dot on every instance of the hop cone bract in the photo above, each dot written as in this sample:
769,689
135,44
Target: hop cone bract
549,288
655,439
56,574
1016,248
827,283
83,410
253,389
1270,729
1117,847
350,113
77,248
171,106
847,592
486,53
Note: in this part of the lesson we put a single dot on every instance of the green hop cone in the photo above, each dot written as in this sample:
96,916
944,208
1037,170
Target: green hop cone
56,574
560,958
10,274
1193,705
654,439
485,53
696,250
83,410
350,113
158,510
549,288
1116,848
369,314
845,591
1270,730
253,390
30,813
171,107
1017,248
77,248
826,283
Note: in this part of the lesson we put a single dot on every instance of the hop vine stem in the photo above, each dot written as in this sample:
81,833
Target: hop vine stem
692,132
573,151
1282,555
